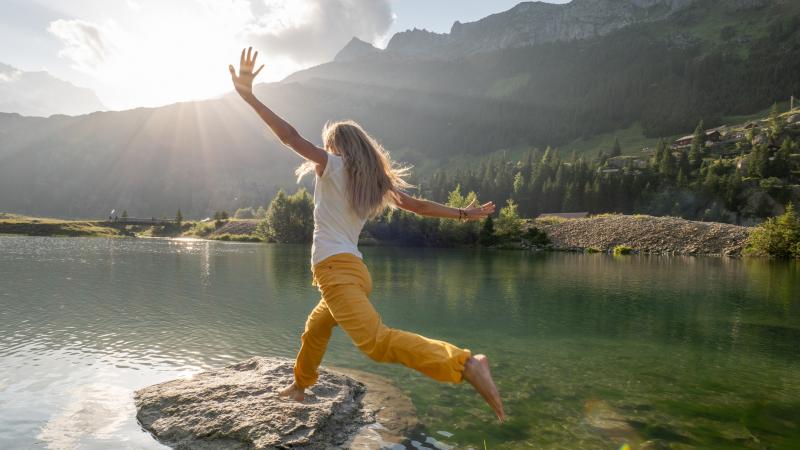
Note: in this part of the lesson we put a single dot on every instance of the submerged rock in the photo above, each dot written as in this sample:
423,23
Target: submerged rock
238,407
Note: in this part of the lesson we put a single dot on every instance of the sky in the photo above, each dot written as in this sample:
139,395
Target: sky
154,52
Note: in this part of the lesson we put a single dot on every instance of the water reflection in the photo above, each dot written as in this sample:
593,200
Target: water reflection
697,349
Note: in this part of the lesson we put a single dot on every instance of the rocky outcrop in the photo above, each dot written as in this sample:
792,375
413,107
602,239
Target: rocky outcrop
237,407
354,50
531,23
645,234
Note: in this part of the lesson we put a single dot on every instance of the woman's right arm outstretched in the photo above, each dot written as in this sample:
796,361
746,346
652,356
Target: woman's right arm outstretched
284,131
432,209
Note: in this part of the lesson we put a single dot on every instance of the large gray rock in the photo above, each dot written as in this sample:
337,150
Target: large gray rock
237,407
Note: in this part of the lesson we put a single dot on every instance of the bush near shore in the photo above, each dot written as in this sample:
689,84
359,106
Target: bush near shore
778,237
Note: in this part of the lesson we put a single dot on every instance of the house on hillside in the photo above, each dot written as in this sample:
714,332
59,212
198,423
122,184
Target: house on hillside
735,136
683,142
575,215
712,136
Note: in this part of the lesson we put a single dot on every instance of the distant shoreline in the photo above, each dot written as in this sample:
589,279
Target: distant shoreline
601,233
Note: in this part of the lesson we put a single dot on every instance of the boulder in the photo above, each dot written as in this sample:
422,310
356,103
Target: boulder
238,407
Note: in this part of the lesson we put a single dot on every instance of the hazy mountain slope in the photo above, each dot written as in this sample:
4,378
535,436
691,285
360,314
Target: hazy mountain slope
194,156
41,94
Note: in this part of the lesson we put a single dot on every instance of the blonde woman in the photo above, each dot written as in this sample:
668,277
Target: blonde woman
355,180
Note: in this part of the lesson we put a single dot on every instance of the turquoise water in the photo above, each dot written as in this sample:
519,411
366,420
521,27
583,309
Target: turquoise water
589,351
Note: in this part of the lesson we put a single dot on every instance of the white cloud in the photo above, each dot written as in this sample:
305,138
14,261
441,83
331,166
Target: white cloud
10,75
152,52
312,31
85,43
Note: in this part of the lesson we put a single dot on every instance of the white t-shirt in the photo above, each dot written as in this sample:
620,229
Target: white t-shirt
336,225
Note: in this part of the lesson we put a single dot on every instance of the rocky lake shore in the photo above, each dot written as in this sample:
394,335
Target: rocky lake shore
645,234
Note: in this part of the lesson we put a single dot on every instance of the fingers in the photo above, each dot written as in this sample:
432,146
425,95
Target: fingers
249,61
255,74
255,55
232,71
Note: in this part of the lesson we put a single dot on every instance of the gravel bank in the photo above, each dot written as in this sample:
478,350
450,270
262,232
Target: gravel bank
646,234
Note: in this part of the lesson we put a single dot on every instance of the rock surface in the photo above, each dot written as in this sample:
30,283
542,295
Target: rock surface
237,407
531,23
646,234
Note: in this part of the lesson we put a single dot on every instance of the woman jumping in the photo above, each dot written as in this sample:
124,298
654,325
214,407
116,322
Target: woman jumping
356,180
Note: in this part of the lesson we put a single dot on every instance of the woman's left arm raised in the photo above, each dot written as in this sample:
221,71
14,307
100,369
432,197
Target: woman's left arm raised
282,129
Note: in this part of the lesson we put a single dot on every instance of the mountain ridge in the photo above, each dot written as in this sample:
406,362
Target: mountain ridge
532,23
40,94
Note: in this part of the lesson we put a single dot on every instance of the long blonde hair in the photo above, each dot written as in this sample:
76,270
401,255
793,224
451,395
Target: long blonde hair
373,179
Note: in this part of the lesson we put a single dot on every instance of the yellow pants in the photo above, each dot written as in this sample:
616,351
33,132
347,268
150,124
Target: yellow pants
345,284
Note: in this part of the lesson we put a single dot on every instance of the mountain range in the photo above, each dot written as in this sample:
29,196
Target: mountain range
537,75
41,94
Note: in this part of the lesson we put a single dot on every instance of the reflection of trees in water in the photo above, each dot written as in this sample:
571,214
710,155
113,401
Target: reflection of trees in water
776,282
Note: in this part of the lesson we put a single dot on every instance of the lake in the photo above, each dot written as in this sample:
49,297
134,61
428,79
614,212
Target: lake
589,351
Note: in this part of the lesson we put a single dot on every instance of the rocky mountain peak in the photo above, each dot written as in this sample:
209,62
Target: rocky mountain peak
354,50
531,23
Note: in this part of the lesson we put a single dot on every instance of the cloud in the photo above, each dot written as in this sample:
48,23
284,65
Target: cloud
312,31
85,43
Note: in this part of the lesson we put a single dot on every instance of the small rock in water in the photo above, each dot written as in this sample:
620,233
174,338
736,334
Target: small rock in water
238,407
438,444
446,434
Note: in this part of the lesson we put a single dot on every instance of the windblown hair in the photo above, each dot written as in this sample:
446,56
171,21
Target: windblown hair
373,179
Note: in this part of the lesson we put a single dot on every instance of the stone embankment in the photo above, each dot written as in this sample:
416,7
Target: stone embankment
238,407
645,234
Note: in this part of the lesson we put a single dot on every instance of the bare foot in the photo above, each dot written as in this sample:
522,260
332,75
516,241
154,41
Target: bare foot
293,392
477,373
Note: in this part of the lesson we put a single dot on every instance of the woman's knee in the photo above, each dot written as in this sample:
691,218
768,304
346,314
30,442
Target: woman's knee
377,346
318,328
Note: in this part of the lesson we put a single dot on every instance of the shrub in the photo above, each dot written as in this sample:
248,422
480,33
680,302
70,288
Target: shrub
244,213
536,236
290,219
509,224
622,250
486,236
236,238
778,237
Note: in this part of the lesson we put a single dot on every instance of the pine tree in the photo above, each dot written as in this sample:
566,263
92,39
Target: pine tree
776,123
518,183
684,164
509,224
616,150
486,235
698,144
667,166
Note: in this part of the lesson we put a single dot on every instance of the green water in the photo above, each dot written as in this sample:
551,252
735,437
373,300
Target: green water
589,351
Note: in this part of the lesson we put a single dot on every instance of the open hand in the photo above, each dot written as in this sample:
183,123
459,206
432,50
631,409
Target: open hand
244,81
478,212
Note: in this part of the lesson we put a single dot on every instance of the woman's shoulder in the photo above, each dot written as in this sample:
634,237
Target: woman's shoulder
332,165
